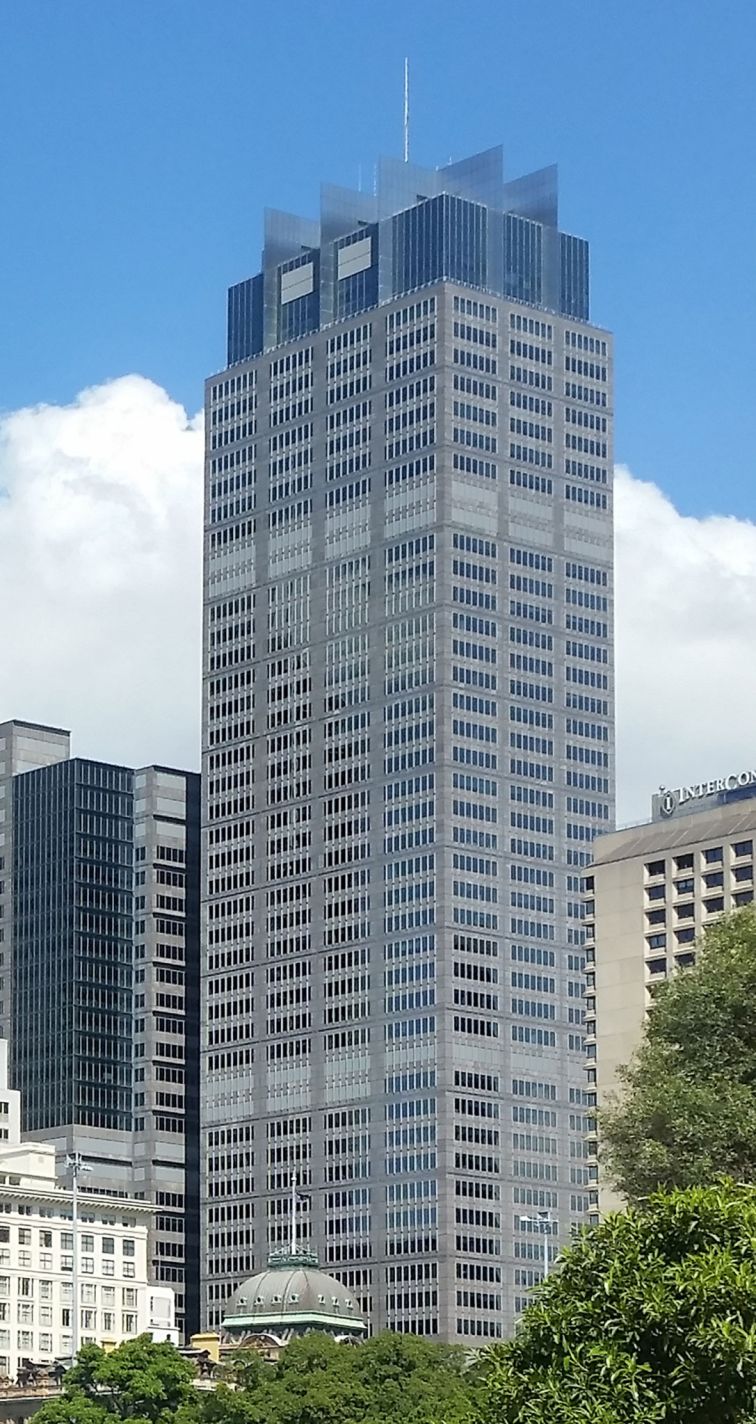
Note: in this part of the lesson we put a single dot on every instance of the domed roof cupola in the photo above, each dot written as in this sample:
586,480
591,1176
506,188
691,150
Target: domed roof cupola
291,1297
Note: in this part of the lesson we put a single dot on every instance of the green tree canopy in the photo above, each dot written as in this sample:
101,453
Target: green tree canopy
686,1111
140,1381
650,1317
318,1380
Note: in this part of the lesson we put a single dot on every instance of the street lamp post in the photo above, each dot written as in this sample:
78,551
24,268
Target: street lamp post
77,1165
543,1221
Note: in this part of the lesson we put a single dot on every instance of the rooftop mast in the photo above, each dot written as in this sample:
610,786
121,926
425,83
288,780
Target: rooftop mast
406,111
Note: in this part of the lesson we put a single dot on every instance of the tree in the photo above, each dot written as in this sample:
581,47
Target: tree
409,1377
140,1381
686,1111
650,1317
318,1380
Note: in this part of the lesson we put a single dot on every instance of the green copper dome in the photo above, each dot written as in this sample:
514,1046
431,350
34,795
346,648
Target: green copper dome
291,1297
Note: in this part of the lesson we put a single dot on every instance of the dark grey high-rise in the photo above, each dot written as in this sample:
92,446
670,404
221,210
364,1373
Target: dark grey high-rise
99,976
71,1037
408,743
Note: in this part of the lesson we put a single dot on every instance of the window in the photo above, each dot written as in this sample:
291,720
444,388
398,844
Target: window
24,1236
45,1238
108,1245
87,1242
741,848
655,867
128,1324
713,856
684,862
128,1246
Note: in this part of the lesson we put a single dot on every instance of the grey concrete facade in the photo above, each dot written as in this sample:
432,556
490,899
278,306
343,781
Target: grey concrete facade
407,751
166,1024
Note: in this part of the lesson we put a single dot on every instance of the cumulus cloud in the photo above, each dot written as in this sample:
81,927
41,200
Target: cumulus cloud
100,551
686,674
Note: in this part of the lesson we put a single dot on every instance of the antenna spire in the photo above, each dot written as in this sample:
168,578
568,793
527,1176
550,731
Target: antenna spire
406,111
293,1242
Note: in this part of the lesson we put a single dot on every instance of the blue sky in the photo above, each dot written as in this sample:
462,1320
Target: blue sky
142,139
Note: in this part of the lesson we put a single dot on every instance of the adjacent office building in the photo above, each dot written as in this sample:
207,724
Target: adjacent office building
407,744
116,1300
651,892
99,948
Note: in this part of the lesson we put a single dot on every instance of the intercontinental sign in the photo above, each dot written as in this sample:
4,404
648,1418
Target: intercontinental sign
669,802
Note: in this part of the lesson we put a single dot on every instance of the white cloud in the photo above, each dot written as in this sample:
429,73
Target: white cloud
686,673
100,548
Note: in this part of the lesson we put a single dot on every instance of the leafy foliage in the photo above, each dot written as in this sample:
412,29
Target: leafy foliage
316,1381
142,1382
319,1381
687,1110
651,1317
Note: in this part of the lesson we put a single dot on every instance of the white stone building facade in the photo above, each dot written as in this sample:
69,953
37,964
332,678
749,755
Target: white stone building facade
116,1301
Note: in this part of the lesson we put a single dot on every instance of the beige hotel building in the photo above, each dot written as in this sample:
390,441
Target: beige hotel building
650,893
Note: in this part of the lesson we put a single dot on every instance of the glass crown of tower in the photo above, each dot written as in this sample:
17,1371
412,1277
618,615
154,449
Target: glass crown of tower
462,222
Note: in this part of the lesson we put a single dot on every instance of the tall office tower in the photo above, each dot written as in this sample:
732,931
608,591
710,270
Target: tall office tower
101,953
24,746
407,743
72,952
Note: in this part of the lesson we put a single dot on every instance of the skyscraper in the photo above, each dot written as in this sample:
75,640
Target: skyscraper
407,741
99,972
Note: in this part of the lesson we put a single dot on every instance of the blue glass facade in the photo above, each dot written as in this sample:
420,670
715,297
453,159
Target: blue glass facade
462,222
71,1044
